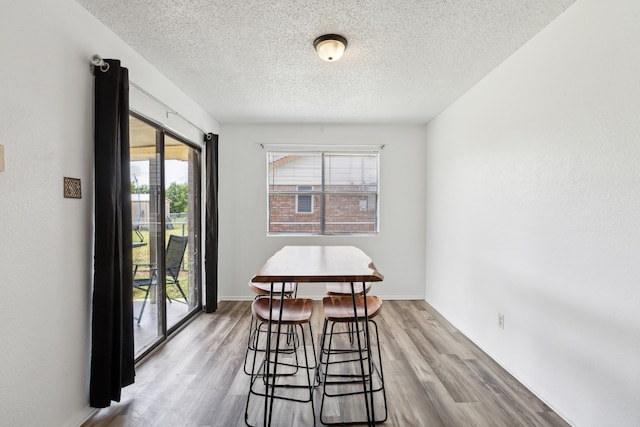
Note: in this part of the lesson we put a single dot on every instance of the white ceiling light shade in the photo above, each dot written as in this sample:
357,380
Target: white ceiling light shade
330,47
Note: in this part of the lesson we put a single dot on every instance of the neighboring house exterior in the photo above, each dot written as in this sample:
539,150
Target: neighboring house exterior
300,202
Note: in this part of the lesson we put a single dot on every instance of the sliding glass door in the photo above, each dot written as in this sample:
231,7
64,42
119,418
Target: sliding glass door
165,194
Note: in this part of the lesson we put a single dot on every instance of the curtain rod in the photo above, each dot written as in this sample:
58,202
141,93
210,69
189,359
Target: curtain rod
97,61
321,147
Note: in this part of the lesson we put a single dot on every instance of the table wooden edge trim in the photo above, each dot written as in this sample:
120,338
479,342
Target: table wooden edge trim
312,279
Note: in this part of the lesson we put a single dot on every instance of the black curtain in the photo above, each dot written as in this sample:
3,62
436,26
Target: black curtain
112,351
211,227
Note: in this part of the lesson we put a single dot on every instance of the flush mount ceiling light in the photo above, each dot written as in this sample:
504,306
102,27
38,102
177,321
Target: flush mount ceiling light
330,47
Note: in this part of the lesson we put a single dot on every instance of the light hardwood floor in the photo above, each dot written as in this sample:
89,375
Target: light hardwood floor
434,377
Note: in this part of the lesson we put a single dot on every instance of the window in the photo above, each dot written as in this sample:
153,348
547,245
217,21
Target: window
317,193
304,202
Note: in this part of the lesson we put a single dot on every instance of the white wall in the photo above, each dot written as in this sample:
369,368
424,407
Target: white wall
46,241
398,251
533,195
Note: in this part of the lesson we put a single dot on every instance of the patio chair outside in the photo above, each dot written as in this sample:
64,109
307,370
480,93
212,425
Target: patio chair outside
173,259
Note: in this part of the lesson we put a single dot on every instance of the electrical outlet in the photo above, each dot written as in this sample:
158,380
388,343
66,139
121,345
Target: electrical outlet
501,320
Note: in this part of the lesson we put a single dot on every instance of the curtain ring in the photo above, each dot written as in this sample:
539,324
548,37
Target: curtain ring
97,61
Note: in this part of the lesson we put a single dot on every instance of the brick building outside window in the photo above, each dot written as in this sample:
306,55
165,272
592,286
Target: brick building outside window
323,192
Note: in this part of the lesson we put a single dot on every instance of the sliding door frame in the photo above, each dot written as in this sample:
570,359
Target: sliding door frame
161,134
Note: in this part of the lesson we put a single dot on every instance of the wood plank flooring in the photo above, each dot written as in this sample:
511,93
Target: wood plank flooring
434,377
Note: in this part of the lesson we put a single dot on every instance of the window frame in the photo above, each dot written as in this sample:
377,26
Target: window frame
321,192
165,325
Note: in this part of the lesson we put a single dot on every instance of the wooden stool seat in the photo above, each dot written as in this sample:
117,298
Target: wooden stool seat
340,308
264,289
345,288
295,310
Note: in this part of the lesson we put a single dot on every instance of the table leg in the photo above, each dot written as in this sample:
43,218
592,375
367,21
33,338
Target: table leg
369,407
369,353
266,359
268,400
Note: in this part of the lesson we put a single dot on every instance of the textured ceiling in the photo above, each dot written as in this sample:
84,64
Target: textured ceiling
253,60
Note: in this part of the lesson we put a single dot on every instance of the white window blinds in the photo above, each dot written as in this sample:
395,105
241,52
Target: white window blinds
323,192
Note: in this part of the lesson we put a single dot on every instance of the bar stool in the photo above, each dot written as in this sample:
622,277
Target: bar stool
277,375
346,372
263,290
344,288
